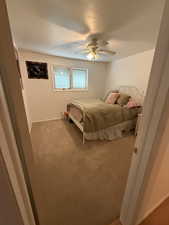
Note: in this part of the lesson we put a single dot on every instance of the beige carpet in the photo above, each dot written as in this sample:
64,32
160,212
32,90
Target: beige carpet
76,184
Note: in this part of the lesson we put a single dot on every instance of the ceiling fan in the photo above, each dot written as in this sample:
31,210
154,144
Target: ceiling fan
95,48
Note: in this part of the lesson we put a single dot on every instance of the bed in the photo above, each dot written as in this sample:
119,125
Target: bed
98,120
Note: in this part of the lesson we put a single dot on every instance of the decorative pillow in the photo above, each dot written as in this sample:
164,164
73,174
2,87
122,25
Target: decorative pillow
123,99
107,94
112,98
132,104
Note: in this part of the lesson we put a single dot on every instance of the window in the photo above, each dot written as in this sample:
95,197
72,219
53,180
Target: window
70,78
79,78
62,78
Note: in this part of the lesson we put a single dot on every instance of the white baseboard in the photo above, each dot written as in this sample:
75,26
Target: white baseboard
38,121
152,209
30,128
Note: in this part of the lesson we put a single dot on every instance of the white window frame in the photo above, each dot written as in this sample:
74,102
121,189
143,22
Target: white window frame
71,88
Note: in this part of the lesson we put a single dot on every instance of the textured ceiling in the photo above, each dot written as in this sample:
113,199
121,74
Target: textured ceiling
61,27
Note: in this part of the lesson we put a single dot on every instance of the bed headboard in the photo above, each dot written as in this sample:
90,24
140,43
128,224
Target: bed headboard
133,92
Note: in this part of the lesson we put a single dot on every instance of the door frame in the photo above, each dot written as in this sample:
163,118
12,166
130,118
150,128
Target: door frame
152,126
14,120
13,166
153,115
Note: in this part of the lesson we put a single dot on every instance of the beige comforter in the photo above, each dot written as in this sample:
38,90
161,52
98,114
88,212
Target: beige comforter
98,115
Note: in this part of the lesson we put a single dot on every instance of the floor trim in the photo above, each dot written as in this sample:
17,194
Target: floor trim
38,121
150,211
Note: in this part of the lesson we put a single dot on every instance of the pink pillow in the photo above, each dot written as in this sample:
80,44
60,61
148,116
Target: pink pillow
111,98
131,104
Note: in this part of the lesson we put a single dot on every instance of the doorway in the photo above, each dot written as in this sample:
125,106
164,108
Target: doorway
64,167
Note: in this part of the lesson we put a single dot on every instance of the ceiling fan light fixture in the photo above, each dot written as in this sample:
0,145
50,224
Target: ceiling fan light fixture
92,56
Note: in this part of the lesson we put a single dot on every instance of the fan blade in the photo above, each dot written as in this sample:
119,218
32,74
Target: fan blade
82,51
70,45
107,51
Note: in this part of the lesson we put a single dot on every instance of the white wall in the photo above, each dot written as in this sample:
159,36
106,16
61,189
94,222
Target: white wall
133,71
157,189
42,101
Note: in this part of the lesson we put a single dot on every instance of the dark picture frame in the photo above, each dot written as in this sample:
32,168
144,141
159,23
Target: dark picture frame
37,70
